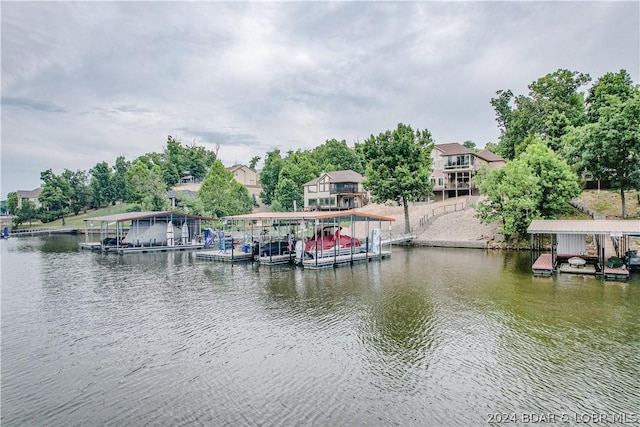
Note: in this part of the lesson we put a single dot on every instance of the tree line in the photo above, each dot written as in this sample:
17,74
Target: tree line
556,136
552,138
141,182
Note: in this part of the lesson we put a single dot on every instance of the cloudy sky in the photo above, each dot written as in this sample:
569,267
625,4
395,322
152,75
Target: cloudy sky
85,82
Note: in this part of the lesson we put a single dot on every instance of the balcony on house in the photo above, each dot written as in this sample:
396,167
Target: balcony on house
344,188
452,185
463,162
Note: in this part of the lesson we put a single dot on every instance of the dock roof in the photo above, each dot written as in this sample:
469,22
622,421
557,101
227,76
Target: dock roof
131,216
349,214
598,226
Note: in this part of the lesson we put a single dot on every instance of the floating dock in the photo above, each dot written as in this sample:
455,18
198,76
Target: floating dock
543,266
142,232
280,238
339,260
616,273
582,247
228,256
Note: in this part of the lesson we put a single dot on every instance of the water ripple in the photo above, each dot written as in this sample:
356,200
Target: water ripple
164,339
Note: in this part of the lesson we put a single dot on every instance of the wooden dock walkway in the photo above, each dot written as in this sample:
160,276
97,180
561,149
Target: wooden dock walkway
543,266
43,230
398,239
342,260
616,273
228,256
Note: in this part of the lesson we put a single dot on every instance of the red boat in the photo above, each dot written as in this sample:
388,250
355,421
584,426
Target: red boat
328,240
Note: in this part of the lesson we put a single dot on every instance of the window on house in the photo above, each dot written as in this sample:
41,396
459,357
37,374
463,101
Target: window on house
313,188
312,202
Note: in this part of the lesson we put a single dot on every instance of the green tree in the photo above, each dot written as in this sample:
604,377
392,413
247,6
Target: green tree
170,174
287,192
197,161
119,179
554,105
609,149
399,165
558,91
192,205
78,190
269,175
100,185
54,197
298,169
178,160
491,146
556,125
470,145
557,183
254,162
538,184
336,155
146,187
176,155
511,197
12,202
149,159
221,195
155,201
26,212
619,85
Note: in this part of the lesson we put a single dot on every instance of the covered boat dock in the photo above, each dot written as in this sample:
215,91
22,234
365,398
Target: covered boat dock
591,247
310,239
137,232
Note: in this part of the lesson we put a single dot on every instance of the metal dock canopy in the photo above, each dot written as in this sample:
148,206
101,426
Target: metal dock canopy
596,247
147,232
353,214
313,239
161,216
600,226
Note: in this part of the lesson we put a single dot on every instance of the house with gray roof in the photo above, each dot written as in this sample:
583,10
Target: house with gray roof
334,191
31,195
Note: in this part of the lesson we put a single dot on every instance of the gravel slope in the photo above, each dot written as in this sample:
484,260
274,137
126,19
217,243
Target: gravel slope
460,225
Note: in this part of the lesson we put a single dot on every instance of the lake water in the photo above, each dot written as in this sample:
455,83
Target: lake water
438,337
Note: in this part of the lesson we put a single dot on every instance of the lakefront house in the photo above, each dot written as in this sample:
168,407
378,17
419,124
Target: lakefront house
337,190
31,195
454,166
189,186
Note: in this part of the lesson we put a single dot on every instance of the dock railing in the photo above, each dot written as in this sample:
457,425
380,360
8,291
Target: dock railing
424,221
42,230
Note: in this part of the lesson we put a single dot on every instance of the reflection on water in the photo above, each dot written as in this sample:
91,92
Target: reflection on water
428,337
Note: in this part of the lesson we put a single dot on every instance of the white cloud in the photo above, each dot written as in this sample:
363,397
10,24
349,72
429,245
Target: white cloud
85,82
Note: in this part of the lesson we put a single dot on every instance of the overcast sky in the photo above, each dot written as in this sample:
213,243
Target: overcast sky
86,82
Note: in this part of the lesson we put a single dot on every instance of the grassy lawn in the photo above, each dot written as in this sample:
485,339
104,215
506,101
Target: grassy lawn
76,221
573,213
607,202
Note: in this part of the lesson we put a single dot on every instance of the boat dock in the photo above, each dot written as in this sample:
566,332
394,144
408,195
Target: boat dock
312,240
142,232
584,247
339,260
543,266
228,256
